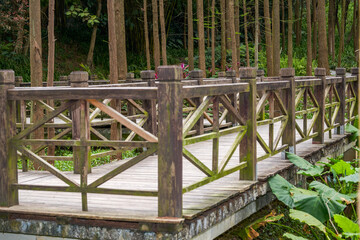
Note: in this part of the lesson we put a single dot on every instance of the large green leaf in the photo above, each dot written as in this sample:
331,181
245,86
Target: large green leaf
315,204
310,202
353,130
293,237
309,169
349,227
314,171
343,168
308,219
328,192
353,178
281,188
298,161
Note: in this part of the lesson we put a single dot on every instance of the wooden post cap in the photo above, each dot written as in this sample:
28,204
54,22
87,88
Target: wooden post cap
170,73
130,75
148,74
7,77
221,74
320,71
354,71
260,73
196,74
340,71
287,72
230,74
247,72
79,79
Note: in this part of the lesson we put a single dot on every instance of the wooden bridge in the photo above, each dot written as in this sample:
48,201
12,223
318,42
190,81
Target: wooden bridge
205,148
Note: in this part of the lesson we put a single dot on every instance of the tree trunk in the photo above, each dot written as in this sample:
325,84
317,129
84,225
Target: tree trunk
113,60
90,56
228,33
341,33
283,24
190,35
51,62
309,50
156,34
185,29
163,32
213,38
223,35
120,39
20,36
257,31
233,37
297,22
237,28
268,39
315,29
36,65
146,33
323,50
276,38
200,16
331,27
290,35
246,35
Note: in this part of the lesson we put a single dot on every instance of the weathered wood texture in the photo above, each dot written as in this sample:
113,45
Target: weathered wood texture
219,132
8,156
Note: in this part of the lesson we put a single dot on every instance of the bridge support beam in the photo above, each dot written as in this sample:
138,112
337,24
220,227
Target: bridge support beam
170,137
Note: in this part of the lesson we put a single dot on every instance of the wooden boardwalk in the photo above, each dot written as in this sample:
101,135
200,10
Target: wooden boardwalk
144,176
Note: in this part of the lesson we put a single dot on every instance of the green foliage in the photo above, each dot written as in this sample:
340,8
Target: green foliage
76,11
309,169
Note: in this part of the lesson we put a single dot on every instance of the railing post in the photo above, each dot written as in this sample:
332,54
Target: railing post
260,74
221,74
8,153
130,77
248,112
231,74
288,74
80,128
341,72
170,104
319,92
150,104
355,73
198,76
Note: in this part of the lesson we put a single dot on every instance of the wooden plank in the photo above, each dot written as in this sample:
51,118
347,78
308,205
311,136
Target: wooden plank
214,90
122,168
196,115
47,166
123,120
82,93
197,163
46,118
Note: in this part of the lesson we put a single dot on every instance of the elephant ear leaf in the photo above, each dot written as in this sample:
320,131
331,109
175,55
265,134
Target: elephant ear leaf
308,168
281,189
293,237
350,229
307,219
343,168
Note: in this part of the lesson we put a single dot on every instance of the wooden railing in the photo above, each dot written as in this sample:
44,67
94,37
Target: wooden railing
166,116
